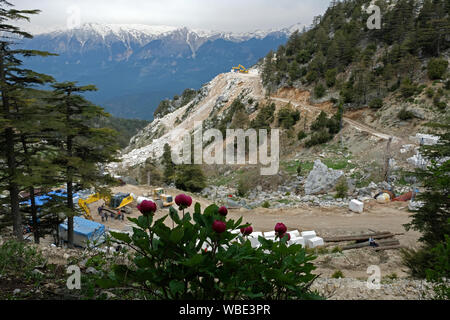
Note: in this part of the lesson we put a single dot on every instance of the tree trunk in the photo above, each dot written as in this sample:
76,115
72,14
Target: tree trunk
11,160
69,196
34,216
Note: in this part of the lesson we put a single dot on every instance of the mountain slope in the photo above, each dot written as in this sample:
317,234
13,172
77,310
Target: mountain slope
136,66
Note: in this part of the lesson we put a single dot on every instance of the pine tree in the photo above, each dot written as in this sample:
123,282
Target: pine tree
169,166
13,78
83,149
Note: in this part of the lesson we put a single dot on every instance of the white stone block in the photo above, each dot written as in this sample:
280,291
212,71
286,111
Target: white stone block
237,231
308,234
269,234
297,240
294,233
256,234
314,242
356,206
255,242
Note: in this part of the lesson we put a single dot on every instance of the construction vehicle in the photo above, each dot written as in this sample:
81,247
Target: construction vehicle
116,202
161,199
240,69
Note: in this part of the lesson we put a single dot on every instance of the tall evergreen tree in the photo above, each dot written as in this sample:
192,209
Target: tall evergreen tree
13,78
84,150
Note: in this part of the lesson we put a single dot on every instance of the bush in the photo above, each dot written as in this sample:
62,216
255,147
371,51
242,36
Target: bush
266,204
171,264
376,103
341,189
302,135
190,178
408,88
243,187
317,138
437,68
19,259
405,115
287,117
330,77
429,92
337,274
319,91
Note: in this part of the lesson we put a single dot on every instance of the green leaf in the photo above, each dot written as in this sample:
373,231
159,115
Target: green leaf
176,235
194,261
197,208
176,286
173,213
212,210
124,237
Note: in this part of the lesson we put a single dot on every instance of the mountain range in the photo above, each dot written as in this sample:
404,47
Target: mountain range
137,66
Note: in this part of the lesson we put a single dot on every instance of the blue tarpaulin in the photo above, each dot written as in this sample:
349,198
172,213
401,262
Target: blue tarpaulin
41,200
84,229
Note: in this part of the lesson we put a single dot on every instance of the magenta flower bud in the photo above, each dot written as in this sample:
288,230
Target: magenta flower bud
247,231
219,226
280,228
147,207
288,235
183,201
223,211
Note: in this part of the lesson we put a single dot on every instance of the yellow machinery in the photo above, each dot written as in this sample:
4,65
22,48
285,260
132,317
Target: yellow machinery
161,198
240,69
117,201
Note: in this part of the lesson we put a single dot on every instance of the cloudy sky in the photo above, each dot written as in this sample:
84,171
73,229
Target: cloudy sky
223,15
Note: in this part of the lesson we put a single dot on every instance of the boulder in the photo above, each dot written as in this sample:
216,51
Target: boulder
314,242
321,178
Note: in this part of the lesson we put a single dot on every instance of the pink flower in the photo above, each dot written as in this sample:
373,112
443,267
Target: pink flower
247,231
147,207
219,226
280,228
183,201
223,211
288,235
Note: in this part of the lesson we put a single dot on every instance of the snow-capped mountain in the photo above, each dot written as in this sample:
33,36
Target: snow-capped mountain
136,66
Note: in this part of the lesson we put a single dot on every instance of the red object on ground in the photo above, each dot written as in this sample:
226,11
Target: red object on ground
404,197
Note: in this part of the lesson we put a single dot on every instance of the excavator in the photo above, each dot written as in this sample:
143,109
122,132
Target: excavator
240,69
116,202
162,200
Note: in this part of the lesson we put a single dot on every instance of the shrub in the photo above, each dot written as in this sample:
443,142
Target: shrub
341,189
405,115
437,68
317,138
243,187
376,103
408,88
337,274
319,91
302,135
171,264
299,169
19,259
320,122
429,92
330,77
287,117
266,204
190,178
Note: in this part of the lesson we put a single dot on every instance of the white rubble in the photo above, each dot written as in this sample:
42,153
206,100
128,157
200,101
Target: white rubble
356,206
425,139
308,235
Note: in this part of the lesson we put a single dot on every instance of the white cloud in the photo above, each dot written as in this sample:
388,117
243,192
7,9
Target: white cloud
229,15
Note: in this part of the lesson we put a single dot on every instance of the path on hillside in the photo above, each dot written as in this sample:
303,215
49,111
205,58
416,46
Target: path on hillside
357,125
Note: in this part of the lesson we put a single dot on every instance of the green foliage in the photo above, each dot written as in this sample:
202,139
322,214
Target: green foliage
171,264
266,204
341,189
287,117
190,177
330,77
440,270
337,274
429,92
318,138
408,88
169,166
376,103
19,259
437,68
301,135
264,118
243,187
319,91
167,106
126,128
405,114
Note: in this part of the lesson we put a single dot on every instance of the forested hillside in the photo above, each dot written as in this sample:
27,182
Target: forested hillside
340,55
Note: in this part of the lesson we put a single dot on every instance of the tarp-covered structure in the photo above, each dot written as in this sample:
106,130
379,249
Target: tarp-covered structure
84,231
